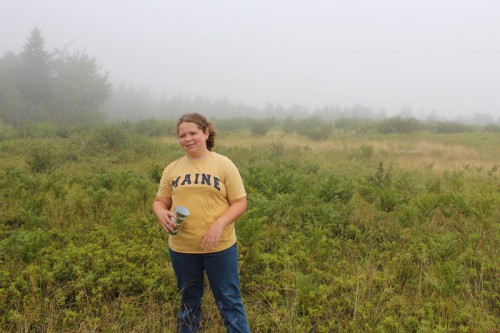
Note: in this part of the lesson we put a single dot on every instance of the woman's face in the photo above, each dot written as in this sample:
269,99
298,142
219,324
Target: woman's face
192,139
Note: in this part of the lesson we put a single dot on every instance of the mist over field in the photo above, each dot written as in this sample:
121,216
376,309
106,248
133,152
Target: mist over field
367,135
426,59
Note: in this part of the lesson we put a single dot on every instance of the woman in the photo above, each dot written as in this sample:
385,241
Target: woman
210,187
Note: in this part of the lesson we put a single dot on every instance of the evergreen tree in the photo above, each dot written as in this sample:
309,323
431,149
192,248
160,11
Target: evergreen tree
35,72
79,89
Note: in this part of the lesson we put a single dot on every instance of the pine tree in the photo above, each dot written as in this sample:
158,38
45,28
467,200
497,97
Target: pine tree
36,72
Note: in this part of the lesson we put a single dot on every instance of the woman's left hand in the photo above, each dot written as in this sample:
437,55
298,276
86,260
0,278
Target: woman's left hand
212,237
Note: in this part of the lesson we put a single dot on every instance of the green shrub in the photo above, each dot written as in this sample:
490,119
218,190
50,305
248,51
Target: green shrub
6,131
24,245
449,127
398,125
112,137
366,151
352,124
335,188
260,127
495,128
42,158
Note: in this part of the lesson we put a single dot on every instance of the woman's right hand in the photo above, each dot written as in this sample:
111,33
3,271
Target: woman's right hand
161,208
166,219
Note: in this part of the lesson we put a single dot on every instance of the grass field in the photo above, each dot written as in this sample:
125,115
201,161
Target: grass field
354,233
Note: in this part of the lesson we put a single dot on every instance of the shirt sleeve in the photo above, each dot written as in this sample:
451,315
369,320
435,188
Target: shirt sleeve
165,188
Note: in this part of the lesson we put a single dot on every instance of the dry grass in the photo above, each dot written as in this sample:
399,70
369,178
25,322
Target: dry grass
407,153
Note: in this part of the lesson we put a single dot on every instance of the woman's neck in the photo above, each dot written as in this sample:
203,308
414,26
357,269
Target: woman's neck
200,157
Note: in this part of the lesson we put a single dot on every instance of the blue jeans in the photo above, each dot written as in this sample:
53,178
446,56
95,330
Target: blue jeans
222,273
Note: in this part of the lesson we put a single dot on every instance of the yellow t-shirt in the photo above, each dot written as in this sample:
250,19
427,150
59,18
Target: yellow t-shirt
204,188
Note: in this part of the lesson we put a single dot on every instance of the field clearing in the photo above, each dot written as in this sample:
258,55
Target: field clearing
436,152
355,233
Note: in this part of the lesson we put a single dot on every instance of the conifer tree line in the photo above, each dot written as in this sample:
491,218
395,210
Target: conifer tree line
41,86
64,87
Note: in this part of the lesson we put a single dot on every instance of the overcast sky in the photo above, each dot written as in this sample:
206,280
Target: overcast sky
427,55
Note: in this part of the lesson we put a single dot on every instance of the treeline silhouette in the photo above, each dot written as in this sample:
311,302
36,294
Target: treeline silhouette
62,87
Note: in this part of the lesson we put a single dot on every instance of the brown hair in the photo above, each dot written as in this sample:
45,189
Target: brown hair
203,123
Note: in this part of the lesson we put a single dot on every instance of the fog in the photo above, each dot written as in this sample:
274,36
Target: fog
420,57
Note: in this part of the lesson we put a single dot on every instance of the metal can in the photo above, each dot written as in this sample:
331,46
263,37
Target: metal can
181,213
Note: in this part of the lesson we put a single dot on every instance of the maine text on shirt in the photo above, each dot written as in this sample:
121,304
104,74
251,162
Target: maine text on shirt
197,179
